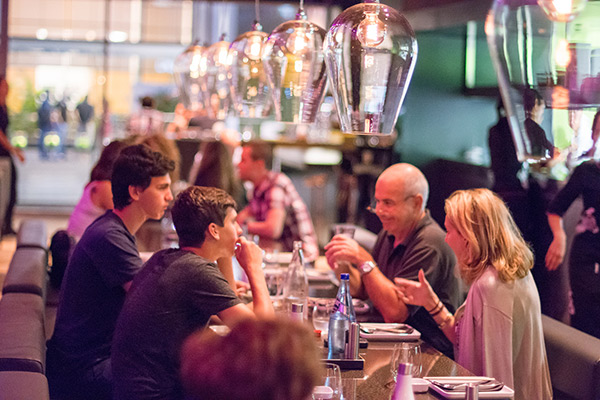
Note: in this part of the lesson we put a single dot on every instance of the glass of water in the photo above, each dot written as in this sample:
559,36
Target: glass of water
348,231
330,383
320,316
406,352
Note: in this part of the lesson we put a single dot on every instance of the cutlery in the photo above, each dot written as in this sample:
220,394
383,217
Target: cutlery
401,329
488,385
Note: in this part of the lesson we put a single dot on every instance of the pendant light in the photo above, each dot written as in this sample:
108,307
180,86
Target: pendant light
215,83
370,52
295,68
535,56
187,72
250,92
562,10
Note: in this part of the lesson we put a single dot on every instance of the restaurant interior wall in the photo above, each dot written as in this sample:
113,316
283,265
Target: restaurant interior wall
440,119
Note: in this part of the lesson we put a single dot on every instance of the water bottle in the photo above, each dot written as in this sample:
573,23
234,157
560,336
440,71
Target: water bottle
341,317
403,389
295,284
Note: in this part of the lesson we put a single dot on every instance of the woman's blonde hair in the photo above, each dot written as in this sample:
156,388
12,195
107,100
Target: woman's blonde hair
493,238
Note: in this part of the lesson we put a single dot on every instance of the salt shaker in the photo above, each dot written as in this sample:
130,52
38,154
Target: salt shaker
353,342
403,389
472,391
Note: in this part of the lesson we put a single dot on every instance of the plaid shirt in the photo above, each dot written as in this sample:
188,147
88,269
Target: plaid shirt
278,192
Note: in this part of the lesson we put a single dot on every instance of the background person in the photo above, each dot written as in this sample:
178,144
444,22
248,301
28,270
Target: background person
267,360
148,121
7,150
275,211
584,256
497,332
97,197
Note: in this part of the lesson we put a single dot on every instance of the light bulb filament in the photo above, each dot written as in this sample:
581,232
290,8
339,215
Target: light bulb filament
563,55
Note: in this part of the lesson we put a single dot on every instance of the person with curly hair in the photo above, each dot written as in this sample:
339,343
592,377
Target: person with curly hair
267,360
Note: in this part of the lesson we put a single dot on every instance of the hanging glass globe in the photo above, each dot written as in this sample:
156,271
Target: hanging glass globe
295,67
541,63
562,10
370,52
188,77
249,87
215,83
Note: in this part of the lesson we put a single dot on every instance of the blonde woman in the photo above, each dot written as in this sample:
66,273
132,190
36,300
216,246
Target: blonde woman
497,332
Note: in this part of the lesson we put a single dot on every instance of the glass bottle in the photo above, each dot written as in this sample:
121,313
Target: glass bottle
295,285
340,319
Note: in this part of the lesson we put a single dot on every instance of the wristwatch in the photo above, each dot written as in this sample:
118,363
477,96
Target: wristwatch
366,267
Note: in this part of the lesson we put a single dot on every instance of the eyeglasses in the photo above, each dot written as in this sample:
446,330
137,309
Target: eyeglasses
385,204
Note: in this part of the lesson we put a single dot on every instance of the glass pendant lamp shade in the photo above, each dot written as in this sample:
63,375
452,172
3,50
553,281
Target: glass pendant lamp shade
370,52
295,68
562,10
250,92
215,83
540,62
188,77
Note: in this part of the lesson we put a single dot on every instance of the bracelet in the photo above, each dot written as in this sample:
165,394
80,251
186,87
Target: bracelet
445,321
434,307
442,307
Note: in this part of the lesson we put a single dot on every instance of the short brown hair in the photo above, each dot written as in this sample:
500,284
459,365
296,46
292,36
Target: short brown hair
261,150
267,360
195,209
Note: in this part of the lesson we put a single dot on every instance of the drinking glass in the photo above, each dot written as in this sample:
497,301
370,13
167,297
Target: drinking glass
332,378
320,316
406,352
348,231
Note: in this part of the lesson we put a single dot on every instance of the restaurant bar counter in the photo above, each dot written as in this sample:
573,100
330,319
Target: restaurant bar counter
373,382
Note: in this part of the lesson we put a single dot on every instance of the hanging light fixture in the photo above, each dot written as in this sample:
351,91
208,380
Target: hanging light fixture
295,68
562,10
187,72
249,87
560,62
370,52
215,83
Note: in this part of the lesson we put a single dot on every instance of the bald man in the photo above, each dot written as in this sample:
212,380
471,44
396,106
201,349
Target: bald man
410,240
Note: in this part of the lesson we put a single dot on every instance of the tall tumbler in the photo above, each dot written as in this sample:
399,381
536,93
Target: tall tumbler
348,231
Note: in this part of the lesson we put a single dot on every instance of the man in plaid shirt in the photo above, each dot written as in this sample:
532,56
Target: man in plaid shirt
275,212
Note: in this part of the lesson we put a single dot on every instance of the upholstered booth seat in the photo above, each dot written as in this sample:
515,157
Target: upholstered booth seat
19,385
22,333
574,360
32,233
27,272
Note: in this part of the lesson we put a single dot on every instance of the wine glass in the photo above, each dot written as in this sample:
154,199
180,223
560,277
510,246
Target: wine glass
406,352
329,385
320,316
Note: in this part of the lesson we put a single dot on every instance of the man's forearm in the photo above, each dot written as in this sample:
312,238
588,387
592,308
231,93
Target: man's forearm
382,293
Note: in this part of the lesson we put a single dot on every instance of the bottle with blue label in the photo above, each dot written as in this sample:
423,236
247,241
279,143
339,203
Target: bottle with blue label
340,319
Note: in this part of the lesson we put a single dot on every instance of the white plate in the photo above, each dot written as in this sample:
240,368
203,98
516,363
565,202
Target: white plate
504,393
388,336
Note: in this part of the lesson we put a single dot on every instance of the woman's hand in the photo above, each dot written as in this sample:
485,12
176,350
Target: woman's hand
417,293
556,253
